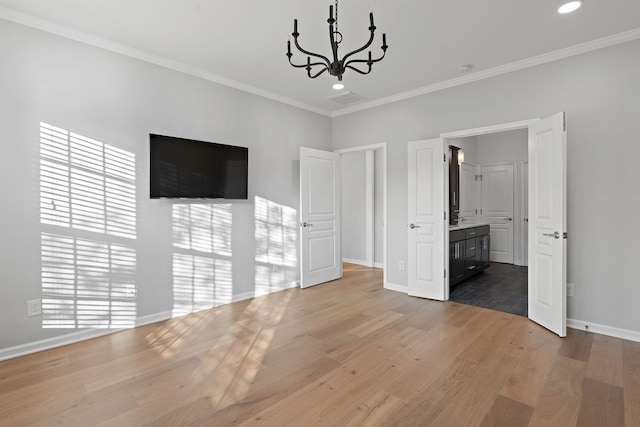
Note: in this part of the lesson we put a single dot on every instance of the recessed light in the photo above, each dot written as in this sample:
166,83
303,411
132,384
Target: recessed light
570,7
338,86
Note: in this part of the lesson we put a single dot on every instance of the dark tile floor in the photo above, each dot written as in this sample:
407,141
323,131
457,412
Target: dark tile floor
501,287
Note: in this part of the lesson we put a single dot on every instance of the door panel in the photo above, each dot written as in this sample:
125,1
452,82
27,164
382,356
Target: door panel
497,200
320,254
426,198
468,193
547,223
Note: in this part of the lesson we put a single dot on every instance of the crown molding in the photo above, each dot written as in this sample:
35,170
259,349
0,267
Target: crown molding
92,40
122,49
556,55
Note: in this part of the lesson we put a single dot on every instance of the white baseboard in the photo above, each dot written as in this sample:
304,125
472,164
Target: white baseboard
397,288
355,261
78,336
611,331
363,263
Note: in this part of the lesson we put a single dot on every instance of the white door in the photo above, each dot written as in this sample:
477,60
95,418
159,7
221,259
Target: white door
497,209
547,223
320,257
525,213
468,202
426,254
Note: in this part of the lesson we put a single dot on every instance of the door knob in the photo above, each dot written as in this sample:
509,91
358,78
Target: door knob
508,219
412,226
555,235
307,224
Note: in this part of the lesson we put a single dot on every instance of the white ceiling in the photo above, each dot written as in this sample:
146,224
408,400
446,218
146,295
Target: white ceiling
243,42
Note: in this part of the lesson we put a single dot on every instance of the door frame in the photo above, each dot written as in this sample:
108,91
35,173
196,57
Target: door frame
502,127
370,238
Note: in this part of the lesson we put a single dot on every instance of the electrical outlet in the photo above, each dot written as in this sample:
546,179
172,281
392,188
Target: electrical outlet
34,307
570,289
401,265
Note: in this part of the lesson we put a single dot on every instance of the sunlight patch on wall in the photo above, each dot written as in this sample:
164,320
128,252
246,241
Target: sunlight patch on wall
88,213
202,267
276,228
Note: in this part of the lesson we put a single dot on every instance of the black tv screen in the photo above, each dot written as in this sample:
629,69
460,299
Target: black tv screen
189,169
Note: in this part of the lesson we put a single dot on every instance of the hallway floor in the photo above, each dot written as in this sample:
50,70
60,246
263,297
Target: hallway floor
501,287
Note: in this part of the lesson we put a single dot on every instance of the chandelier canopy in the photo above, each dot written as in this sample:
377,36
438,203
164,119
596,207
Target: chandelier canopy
338,66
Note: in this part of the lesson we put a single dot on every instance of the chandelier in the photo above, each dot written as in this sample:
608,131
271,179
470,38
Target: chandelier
338,66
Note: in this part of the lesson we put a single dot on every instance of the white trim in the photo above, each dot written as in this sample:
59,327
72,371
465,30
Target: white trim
397,288
381,145
596,328
378,265
369,199
75,337
556,55
78,336
122,49
501,127
355,261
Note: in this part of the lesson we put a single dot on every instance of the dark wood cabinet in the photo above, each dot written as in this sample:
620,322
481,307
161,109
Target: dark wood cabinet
468,252
457,258
454,185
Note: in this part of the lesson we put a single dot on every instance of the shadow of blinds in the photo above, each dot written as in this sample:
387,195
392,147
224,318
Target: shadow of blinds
202,267
276,231
88,214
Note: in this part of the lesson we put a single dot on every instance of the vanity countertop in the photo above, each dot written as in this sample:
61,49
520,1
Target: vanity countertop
465,225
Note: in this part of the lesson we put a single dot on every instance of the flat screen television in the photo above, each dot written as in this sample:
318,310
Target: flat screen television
189,169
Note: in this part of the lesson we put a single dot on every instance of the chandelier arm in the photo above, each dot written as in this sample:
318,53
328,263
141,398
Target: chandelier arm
351,67
372,30
317,74
366,61
306,65
306,52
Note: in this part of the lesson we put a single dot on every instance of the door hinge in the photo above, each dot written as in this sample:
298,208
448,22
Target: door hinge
445,215
478,177
564,121
476,211
564,235
445,273
445,156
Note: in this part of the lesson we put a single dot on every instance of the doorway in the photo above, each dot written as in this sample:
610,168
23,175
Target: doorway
491,181
364,205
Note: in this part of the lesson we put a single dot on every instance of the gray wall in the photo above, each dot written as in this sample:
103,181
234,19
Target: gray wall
599,91
119,101
353,206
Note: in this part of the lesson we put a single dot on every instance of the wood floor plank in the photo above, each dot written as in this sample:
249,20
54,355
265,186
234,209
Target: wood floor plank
554,409
506,412
346,352
567,376
529,377
606,361
601,405
631,382
577,345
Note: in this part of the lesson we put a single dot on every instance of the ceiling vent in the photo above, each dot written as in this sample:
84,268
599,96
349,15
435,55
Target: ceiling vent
346,98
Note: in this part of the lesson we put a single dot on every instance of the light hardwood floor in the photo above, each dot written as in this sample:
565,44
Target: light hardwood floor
346,353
